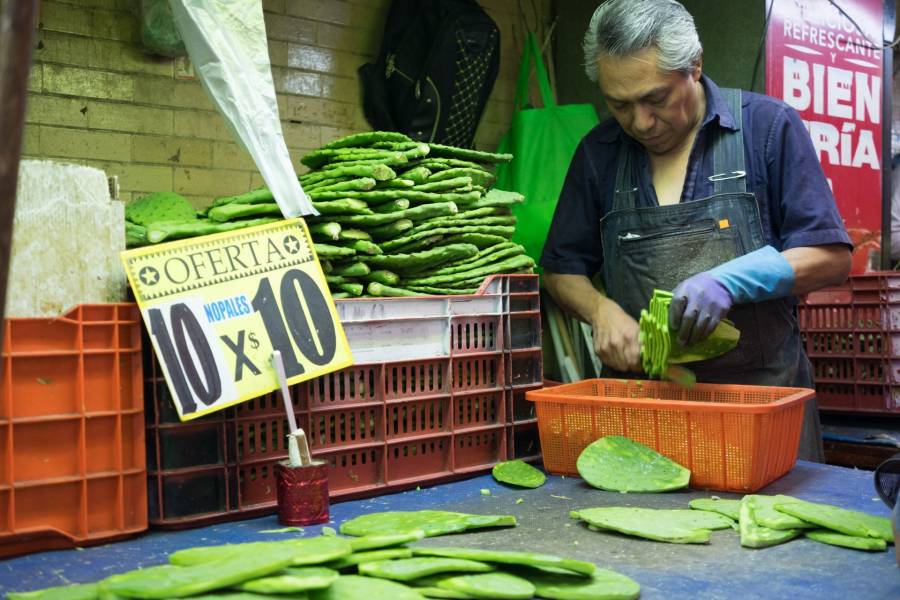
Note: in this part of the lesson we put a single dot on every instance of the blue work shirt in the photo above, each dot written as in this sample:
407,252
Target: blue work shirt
795,203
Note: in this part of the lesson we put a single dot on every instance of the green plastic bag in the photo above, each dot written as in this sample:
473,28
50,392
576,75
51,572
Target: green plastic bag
542,140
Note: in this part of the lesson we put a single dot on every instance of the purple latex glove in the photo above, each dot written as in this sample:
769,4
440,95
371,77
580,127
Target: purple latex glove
698,304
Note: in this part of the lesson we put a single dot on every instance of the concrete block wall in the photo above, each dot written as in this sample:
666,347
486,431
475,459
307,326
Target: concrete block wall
95,98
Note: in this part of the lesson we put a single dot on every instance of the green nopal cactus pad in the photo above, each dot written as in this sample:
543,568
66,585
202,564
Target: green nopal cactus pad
159,206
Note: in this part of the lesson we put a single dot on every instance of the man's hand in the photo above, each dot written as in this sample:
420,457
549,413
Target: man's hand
698,304
615,333
616,337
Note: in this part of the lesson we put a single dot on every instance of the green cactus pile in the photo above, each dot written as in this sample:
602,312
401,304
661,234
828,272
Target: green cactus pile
396,217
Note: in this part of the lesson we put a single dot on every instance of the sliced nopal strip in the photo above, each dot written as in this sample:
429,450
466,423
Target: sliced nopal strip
850,522
754,535
509,557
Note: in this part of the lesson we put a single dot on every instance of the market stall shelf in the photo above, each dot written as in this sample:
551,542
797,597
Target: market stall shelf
429,399
72,470
852,337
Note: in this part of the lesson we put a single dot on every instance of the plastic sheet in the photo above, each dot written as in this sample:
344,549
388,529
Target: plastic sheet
227,43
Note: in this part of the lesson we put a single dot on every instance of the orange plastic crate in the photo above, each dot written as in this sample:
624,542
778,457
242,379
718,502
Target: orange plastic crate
734,438
72,461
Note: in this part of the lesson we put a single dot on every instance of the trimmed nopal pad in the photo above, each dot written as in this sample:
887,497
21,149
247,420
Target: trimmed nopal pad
436,592
366,588
724,338
604,584
764,513
366,138
677,526
849,522
357,558
159,206
385,540
292,580
244,596
430,522
509,557
728,508
618,464
171,581
826,536
754,535
496,586
409,569
307,551
518,472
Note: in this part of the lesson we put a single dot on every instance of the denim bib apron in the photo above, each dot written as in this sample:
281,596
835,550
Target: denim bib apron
658,247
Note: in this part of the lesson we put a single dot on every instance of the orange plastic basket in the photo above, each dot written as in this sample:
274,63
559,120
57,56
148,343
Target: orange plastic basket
732,437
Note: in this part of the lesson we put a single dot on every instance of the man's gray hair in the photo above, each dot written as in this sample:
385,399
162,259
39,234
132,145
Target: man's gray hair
624,27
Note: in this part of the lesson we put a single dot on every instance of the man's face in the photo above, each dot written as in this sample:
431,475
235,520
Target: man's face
657,109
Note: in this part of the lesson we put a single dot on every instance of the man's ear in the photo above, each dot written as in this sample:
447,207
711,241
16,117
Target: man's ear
698,70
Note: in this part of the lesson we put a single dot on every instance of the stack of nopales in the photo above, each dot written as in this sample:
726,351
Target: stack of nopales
166,216
400,218
761,520
375,564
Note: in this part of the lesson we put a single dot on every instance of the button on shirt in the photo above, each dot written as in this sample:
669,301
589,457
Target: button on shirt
795,203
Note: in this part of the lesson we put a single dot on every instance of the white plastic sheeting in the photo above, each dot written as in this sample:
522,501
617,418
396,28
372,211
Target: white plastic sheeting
226,41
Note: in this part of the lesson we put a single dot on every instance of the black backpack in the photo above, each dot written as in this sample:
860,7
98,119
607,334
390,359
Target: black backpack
434,73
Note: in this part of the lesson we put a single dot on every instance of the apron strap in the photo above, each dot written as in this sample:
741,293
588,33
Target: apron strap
729,171
626,191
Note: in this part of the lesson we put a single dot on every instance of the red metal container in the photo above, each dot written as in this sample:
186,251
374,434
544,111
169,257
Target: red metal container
302,493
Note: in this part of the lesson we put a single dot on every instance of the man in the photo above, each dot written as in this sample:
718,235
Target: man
716,194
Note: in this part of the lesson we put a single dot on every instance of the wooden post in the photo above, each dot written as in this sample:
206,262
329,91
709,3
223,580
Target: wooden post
16,33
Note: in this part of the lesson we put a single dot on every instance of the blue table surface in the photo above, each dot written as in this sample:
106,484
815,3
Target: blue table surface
721,569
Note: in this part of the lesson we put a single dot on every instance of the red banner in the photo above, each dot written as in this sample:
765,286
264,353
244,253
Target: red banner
819,62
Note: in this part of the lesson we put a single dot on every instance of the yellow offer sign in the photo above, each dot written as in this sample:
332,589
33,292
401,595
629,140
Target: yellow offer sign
218,306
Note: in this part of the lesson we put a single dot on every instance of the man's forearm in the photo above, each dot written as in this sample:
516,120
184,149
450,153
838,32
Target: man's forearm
766,274
702,300
817,267
575,294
